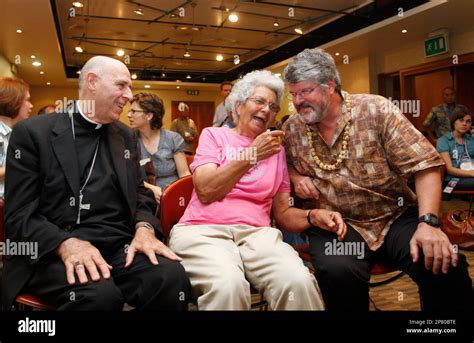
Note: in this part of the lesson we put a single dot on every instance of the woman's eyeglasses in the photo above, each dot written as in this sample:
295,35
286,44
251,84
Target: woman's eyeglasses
263,103
132,111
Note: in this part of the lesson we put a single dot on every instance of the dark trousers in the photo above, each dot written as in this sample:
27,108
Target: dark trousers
143,285
344,279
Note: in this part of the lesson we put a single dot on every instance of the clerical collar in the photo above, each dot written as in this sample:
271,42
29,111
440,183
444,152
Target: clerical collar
94,124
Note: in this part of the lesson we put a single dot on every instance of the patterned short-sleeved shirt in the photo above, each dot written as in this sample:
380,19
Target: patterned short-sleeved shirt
370,189
440,115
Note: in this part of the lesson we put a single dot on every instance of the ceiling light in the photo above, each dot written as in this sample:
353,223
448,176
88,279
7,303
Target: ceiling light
173,16
188,77
275,23
195,28
147,86
178,87
134,76
78,4
299,30
183,28
186,53
79,49
33,56
41,72
120,52
19,31
78,72
233,18
139,11
404,31
48,83
163,74
36,63
337,54
219,58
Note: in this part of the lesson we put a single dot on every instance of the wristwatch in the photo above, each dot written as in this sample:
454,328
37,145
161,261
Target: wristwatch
430,219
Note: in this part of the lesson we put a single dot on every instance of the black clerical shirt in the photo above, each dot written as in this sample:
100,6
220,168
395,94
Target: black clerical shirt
105,224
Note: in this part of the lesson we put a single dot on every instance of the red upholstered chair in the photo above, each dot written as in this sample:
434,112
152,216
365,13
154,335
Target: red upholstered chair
174,201
22,301
189,159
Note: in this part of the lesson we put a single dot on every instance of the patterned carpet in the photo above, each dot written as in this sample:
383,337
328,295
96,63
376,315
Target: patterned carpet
402,294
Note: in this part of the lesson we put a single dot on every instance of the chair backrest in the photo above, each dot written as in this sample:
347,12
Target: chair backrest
173,202
189,159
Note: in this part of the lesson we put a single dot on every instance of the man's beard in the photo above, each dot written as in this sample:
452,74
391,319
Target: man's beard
317,113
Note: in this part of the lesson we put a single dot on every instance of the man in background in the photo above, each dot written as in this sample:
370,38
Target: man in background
223,117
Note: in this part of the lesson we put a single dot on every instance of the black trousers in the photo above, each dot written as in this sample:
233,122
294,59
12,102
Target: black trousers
143,285
344,278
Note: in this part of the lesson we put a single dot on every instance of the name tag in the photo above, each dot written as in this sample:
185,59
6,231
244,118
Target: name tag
451,184
144,161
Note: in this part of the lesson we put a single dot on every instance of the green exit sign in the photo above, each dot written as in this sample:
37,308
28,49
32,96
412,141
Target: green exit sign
436,46
192,92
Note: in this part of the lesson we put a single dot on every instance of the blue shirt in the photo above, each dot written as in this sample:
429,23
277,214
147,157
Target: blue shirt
447,143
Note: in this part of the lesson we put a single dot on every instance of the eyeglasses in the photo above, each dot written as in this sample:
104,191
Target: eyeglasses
262,104
132,111
304,93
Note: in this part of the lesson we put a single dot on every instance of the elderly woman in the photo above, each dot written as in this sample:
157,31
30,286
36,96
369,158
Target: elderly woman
457,150
14,106
163,148
224,237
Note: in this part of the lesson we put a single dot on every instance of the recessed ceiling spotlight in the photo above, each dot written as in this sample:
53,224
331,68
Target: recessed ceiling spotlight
41,72
219,58
195,28
178,87
33,56
233,18
404,31
299,30
78,72
139,11
163,74
337,54
79,49
134,76
188,77
48,83
36,63
276,23
78,4
186,53
19,31
147,86
120,52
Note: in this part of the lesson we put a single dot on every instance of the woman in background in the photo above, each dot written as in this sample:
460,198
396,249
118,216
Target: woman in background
457,150
15,106
163,148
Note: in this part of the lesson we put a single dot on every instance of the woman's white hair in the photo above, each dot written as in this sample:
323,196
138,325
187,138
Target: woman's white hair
245,87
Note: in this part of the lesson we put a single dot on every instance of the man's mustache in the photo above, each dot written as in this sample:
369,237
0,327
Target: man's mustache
305,104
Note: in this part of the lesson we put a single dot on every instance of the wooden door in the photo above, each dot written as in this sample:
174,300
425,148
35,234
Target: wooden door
202,112
428,89
464,87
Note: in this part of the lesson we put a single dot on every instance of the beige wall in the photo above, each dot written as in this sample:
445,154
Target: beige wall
355,75
41,96
5,67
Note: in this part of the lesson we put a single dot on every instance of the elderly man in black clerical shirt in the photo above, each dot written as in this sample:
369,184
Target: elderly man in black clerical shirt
73,187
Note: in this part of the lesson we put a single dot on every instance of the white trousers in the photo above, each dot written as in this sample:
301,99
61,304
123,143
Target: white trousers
221,261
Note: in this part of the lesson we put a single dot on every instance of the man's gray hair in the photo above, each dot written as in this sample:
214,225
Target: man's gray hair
313,65
245,87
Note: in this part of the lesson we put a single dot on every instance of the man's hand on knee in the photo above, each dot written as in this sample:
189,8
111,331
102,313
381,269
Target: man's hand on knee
437,250
146,242
79,256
